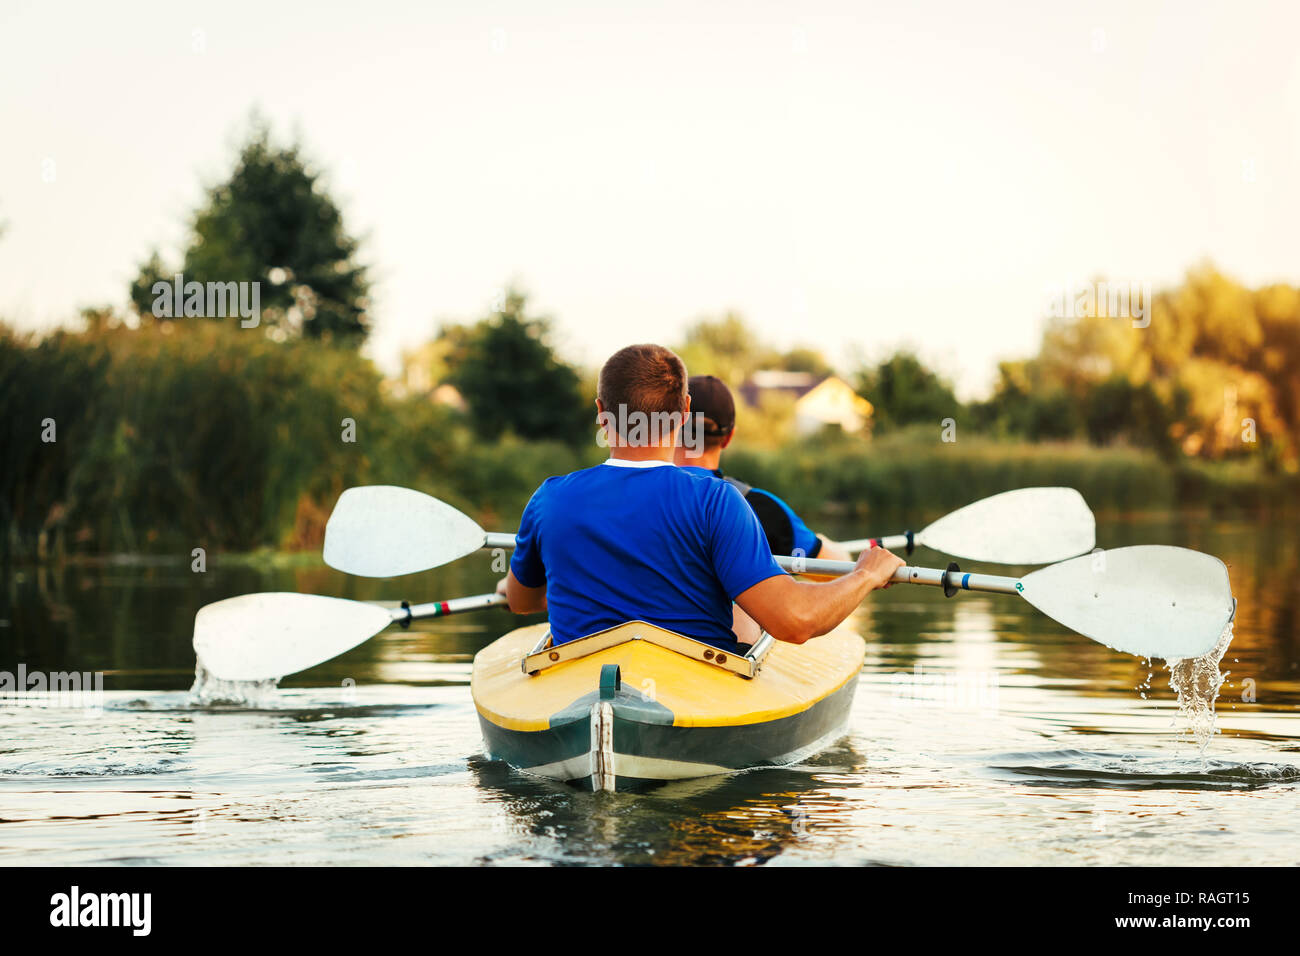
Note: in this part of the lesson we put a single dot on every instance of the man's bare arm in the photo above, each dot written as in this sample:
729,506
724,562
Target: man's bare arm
523,599
796,611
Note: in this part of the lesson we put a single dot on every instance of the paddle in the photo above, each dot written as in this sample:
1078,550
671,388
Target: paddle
1147,600
1025,526
1150,600
266,636
384,531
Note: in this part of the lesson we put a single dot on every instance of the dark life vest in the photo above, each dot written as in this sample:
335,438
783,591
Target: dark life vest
776,523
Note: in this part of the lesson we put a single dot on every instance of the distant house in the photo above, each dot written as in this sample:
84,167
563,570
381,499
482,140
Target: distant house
420,368
818,401
449,395
417,376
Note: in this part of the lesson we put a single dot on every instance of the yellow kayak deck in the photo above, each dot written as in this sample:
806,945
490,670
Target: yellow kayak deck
792,678
674,701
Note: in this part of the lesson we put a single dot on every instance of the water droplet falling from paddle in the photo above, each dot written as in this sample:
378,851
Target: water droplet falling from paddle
208,689
1196,681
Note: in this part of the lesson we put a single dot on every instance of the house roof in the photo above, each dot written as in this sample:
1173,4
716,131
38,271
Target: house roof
827,398
794,384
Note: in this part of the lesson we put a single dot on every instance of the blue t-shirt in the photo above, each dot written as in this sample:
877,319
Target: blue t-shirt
785,530
658,543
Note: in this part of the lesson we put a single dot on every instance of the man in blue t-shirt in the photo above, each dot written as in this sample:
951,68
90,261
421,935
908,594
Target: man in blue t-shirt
709,430
636,538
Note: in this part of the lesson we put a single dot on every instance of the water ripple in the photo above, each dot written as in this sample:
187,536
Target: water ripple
1148,771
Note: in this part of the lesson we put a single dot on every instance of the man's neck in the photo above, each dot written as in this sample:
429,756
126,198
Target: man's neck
642,452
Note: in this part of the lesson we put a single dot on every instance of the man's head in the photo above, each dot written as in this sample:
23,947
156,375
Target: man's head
712,422
641,396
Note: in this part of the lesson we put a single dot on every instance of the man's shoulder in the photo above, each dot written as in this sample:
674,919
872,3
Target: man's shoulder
702,476
696,483
597,474
573,477
556,485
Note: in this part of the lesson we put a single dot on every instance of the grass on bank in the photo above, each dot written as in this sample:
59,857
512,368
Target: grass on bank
913,472
167,442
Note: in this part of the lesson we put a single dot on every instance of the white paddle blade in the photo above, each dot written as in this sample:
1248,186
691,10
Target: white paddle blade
1150,600
1026,526
382,531
264,636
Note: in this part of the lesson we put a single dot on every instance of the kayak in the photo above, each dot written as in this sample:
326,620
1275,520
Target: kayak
636,705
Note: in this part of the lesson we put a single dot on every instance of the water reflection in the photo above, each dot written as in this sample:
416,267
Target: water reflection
741,820
374,757
134,620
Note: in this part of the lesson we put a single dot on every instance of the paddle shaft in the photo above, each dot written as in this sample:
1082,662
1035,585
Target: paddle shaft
415,612
893,542
932,577
959,580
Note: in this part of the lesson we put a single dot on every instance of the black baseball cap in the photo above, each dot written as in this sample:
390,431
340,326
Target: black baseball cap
711,398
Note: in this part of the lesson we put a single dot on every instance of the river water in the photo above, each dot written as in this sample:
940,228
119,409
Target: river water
982,733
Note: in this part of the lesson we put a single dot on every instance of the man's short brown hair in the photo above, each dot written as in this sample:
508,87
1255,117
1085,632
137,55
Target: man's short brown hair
643,378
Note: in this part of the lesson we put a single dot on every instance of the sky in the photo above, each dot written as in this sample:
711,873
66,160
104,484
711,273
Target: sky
854,176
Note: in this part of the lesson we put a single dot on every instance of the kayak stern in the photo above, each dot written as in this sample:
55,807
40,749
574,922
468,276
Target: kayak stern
636,714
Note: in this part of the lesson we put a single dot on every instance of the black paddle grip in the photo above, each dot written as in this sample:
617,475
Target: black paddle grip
949,588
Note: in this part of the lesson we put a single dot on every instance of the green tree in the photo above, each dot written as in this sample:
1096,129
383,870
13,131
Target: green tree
1025,403
904,392
1213,363
804,359
152,270
725,347
731,350
1117,411
511,379
272,222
